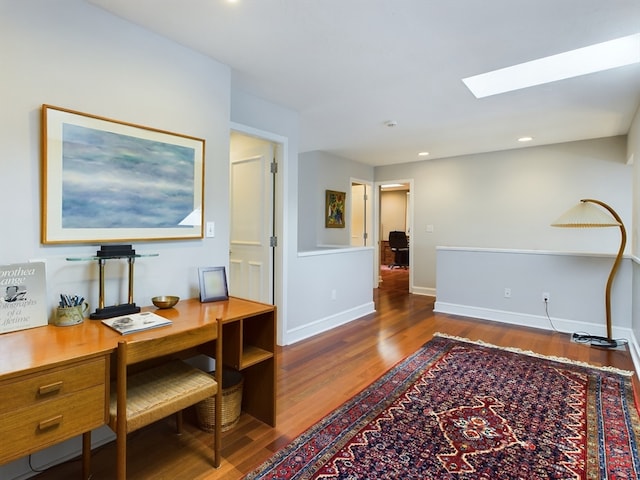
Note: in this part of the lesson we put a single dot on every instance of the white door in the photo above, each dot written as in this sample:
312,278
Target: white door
360,213
252,219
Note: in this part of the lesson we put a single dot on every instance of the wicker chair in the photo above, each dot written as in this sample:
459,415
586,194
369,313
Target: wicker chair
153,393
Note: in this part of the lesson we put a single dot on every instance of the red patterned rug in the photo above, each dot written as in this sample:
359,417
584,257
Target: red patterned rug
465,410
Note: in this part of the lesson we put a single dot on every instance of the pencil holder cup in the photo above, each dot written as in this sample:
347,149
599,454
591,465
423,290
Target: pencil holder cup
66,316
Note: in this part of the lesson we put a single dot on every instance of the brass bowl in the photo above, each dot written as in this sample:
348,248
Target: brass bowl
165,301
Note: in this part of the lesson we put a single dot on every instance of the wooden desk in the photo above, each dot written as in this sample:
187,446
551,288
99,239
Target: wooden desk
54,385
248,344
54,381
386,255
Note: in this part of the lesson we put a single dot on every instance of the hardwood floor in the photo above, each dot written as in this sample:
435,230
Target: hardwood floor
317,375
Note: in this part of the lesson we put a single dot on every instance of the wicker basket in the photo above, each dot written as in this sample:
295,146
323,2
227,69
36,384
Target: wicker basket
232,382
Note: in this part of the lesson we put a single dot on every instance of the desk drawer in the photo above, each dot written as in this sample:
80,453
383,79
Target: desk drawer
50,384
47,423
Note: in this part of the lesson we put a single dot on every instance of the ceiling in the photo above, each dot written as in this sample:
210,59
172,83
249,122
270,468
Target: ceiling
350,66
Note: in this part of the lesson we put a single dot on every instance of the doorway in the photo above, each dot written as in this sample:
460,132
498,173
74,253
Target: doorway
253,217
394,214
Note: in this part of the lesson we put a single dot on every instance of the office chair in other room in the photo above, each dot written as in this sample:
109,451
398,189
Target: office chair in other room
399,245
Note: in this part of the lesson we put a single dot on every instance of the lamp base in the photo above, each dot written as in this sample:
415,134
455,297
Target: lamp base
114,311
596,341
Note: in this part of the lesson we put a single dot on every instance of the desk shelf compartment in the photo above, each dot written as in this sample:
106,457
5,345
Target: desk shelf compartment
249,341
249,346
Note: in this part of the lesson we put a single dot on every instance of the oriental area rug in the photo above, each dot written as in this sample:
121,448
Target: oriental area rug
463,410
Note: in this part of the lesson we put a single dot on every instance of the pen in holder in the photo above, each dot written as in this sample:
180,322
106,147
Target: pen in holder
71,311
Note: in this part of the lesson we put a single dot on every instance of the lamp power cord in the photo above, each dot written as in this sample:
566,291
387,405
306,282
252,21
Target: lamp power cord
587,338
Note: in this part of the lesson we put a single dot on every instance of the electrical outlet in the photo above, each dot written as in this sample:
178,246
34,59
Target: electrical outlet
507,293
546,297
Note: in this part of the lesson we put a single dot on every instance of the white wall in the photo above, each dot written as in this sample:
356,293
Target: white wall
306,304
70,54
318,172
492,214
508,199
472,282
394,207
633,156
332,285
73,55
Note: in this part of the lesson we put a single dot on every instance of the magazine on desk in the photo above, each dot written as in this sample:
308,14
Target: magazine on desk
23,298
136,322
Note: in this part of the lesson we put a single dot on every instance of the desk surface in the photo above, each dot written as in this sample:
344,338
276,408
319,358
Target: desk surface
42,347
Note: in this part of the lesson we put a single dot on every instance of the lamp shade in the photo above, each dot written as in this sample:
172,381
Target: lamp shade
585,215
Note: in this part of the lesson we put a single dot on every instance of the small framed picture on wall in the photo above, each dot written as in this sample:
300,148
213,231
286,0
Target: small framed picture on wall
335,204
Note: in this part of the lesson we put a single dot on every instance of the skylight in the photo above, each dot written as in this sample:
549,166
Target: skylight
594,58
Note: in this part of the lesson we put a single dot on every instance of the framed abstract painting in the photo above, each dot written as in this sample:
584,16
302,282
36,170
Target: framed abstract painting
105,180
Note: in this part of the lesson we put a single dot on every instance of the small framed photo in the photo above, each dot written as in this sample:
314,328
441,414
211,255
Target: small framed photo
213,284
334,209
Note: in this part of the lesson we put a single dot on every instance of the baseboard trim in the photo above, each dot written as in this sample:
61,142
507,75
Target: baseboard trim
429,292
512,318
324,324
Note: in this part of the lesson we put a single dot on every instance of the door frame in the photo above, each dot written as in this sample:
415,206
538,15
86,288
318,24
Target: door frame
279,284
376,228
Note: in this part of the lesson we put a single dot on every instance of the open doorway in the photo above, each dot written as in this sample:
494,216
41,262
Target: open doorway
395,220
252,147
252,202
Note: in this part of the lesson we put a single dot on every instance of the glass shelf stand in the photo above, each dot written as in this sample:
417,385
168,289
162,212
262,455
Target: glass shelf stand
110,311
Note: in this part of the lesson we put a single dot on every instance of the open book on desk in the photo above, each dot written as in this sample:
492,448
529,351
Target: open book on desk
136,322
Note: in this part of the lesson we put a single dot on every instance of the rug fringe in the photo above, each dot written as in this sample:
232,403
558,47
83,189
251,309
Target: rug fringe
626,373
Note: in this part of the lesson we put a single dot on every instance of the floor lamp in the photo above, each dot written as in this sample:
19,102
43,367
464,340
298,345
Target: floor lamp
587,215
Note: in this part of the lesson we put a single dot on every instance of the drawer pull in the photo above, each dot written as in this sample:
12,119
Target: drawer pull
51,388
50,423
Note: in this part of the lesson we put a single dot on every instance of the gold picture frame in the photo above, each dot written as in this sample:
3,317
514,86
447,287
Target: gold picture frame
335,209
104,180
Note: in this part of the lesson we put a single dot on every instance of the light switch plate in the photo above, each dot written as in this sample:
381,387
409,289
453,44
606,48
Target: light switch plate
211,229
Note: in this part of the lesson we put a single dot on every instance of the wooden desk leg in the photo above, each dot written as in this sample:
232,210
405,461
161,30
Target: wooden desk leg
86,455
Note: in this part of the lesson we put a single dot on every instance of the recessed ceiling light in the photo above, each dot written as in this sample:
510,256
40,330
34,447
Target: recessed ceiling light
423,154
391,185
525,139
594,58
